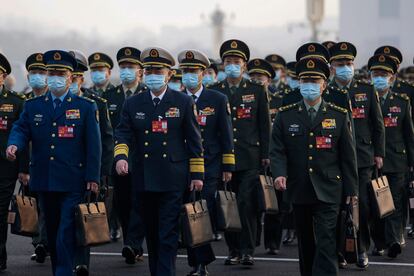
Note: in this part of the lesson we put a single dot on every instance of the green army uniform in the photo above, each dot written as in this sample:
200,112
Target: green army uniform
97,60
318,158
277,63
251,132
369,134
11,106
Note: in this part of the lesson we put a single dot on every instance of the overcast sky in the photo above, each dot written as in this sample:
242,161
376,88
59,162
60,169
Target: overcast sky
114,17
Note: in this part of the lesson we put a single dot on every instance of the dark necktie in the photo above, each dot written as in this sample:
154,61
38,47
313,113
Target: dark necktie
57,102
233,89
382,100
194,97
128,94
156,101
312,114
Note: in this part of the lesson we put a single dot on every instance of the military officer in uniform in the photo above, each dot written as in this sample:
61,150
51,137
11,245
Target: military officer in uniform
328,44
399,147
163,126
213,117
37,75
332,94
369,134
210,74
131,71
101,65
175,82
279,66
313,160
57,123
251,130
11,105
291,77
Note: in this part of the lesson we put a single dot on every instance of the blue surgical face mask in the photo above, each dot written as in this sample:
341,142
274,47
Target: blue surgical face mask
74,88
310,91
37,81
98,77
190,80
278,74
175,86
208,80
233,70
344,73
154,82
221,76
293,84
57,84
127,75
381,83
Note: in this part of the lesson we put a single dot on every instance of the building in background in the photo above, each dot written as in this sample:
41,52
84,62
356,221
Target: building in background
372,23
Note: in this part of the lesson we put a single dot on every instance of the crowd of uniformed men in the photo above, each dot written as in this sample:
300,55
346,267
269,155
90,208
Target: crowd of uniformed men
318,124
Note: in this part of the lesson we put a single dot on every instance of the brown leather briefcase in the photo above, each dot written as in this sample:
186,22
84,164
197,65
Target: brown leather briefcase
383,197
23,216
197,229
92,224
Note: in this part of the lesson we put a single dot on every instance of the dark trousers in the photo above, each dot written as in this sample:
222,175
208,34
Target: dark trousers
136,233
366,201
244,184
40,237
316,232
273,224
204,255
7,186
59,209
160,212
122,201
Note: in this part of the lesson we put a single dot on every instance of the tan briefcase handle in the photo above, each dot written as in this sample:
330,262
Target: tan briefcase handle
21,192
378,173
88,195
225,191
194,195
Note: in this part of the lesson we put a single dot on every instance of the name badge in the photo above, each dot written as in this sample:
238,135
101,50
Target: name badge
390,121
244,112
323,142
72,114
160,126
202,119
66,132
395,109
3,124
358,113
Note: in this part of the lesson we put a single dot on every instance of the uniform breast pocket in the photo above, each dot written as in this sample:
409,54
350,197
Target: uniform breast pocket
293,135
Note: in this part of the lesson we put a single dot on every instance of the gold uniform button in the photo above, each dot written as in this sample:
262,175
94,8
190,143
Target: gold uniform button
112,112
235,140
338,177
202,130
234,129
146,144
80,164
52,146
311,146
54,124
53,135
37,124
234,108
234,119
52,158
202,140
164,155
5,117
146,155
310,170
310,158
311,134
146,132
403,151
164,143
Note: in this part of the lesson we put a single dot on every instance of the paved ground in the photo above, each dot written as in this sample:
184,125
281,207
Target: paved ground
106,261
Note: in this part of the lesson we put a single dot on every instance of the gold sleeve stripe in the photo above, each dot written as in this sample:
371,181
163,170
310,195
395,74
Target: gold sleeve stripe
229,159
197,168
121,149
196,159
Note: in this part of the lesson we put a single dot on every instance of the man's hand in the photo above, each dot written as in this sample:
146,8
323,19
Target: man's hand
122,167
351,199
24,178
265,163
379,162
196,184
11,152
280,183
227,177
93,186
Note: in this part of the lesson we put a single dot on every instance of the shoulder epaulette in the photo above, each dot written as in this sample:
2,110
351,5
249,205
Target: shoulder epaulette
97,98
334,88
363,82
337,108
276,95
86,99
17,95
288,107
35,98
402,96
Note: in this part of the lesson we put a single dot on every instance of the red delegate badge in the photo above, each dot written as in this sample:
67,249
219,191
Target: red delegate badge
323,142
159,126
244,113
66,132
3,124
202,120
390,121
358,113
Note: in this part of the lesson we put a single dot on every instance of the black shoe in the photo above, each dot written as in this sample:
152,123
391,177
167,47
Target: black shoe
193,272
81,270
394,250
272,252
247,260
41,253
217,237
232,260
402,241
33,257
377,252
202,270
410,233
129,254
341,261
115,235
290,237
362,261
